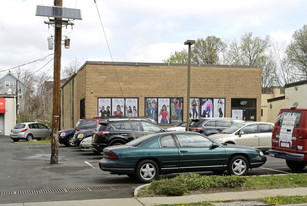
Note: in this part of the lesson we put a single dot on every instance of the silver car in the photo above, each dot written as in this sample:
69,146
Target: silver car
29,131
252,134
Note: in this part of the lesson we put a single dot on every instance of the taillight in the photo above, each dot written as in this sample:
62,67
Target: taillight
110,155
24,130
196,129
302,134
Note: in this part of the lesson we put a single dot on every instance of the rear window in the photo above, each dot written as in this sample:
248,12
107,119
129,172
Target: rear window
197,122
297,116
86,124
19,126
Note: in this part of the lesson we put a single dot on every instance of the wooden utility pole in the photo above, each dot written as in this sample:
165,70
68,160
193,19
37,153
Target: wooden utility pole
56,87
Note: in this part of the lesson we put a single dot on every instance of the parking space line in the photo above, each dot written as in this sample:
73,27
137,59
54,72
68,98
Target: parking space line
275,170
89,164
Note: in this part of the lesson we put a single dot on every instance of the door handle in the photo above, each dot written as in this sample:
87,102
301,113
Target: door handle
183,151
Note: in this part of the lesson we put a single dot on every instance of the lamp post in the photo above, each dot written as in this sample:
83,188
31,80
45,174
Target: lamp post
189,42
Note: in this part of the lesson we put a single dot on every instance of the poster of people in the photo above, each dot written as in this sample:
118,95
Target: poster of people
206,107
164,110
219,107
237,114
131,107
151,106
194,108
104,107
118,106
176,109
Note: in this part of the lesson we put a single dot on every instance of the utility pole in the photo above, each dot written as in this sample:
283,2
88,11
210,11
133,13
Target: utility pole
56,88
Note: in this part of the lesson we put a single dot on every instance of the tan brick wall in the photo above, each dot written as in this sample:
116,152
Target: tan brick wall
162,80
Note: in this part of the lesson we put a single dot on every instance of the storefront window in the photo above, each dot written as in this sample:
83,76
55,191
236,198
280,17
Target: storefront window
244,109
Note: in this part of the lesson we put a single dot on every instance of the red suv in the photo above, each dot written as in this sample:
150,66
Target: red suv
289,138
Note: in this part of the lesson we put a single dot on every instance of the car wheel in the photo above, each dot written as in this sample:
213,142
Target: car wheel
70,141
15,140
29,137
238,165
295,166
147,170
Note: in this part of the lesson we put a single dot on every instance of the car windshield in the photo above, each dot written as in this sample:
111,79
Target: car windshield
232,129
140,140
197,122
86,124
19,126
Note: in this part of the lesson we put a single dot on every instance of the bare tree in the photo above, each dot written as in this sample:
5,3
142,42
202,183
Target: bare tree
71,68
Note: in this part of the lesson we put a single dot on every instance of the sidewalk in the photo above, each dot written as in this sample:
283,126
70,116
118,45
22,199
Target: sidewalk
149,201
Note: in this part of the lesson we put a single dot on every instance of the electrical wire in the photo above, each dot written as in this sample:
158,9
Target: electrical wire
110,53
41,59
42,66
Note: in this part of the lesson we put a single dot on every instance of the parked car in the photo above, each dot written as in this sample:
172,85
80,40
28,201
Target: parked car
289,139
179,127
252,134
173,152
66,136
209,126
81,134
29,131
86,143
119,131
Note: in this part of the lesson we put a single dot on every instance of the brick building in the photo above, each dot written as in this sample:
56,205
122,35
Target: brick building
216,91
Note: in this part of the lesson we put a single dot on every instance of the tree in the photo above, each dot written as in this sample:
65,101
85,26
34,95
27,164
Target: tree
206,51
297,50
178,57
71,69
253,51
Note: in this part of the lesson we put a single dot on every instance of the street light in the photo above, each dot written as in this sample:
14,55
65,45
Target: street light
189,42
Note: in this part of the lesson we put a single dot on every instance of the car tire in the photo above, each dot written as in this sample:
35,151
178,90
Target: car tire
238,165
15,140
70,141
147,170
295,166
29,137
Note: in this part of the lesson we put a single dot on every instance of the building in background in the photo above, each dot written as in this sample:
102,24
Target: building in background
11,101
159,91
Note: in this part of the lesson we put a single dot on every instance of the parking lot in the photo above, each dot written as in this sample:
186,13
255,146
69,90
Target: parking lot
27,176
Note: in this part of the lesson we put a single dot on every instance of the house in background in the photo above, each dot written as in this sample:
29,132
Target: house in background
272,93
295,95
11,95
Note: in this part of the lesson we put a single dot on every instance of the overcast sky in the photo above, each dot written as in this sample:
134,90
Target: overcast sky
139,30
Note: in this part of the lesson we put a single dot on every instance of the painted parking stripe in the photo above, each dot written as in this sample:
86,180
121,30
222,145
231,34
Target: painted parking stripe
275,170
89,164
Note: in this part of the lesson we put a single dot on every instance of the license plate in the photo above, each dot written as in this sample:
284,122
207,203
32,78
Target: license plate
284,144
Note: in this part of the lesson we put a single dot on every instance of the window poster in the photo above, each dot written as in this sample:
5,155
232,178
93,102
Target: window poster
104,107
206,107
164,110
131,109
118,106
237,114
176,109
151,108
219,107
286,130
194,108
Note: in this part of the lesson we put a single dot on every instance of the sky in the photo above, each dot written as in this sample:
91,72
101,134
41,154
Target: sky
138,30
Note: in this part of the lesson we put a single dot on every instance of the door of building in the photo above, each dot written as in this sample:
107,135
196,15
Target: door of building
244,108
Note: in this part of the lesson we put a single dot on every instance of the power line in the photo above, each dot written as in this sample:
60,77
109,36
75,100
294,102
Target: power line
41,59
42,66
105,36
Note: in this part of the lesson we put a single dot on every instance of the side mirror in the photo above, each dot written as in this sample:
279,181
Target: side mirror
241,133
214,145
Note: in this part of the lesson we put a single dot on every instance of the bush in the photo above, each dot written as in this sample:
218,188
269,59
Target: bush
185,183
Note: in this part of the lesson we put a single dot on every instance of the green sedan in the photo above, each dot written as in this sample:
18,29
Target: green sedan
172,152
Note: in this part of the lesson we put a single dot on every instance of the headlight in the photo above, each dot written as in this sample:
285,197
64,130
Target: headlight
261,153
62,134
80,136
